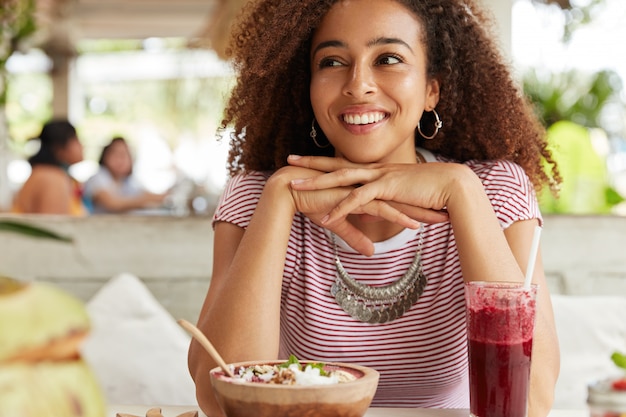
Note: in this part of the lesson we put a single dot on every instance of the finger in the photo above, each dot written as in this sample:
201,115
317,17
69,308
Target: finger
355,238
362,200
385,211
424,215
352,203
320,163
342,177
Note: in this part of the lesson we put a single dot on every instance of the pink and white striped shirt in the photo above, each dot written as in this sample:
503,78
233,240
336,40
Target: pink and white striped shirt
421,356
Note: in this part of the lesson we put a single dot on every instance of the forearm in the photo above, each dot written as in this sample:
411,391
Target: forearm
484,252
120,204
241,314
244,312
545,361
489,254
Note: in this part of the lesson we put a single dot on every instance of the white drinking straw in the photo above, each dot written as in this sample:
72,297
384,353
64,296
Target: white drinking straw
534,248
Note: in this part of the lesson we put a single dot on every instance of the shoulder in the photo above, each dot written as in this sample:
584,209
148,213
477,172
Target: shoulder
48,175
509,189
250,184
240,198
495,173
101,179
498,170
254,179
507,186
503,179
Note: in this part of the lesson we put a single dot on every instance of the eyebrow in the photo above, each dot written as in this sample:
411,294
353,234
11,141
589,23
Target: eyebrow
329,44
373,42
389,41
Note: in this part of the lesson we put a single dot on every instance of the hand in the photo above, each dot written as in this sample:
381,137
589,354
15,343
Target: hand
153,199
315,204
399,193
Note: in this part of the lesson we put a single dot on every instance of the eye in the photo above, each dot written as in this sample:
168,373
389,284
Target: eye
329,62
389,60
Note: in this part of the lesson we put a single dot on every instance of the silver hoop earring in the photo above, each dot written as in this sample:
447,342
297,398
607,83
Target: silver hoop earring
313,135
438,124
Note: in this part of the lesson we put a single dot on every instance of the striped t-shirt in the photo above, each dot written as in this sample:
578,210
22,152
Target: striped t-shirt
421,356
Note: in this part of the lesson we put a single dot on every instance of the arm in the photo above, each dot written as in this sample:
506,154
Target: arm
241,312
117,203
545,362
486,252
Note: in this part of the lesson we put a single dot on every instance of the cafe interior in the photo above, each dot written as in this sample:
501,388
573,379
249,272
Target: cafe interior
137,274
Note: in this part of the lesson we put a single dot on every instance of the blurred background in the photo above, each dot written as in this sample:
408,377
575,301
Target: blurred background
154,72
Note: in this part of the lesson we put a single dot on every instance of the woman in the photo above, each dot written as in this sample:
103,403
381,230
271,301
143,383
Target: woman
376,141
113,189
50,189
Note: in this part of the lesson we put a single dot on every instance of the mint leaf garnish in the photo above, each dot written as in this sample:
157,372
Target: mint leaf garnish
319,366
619,359
292,360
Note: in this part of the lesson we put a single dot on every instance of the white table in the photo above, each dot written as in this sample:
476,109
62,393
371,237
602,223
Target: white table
173,411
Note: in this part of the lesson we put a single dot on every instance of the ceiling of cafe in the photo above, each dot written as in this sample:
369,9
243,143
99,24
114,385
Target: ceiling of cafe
139,18
204,22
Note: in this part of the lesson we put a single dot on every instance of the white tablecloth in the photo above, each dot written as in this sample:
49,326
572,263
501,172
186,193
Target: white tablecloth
140,410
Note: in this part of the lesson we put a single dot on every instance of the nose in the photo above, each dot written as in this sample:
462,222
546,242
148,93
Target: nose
360,81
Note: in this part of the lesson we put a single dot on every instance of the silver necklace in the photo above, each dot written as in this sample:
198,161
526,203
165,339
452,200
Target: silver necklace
379,304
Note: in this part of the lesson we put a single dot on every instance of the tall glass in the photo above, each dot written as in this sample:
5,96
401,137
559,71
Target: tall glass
500,325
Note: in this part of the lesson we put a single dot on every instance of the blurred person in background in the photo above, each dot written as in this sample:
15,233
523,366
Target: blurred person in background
50,189
113,189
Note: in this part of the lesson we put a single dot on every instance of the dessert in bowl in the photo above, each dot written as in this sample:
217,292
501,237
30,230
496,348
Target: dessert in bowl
304,389
607,397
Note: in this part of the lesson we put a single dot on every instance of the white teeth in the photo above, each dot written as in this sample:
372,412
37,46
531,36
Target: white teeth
363,119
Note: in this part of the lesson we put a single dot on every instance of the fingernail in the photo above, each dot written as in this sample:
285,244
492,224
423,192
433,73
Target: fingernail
299,181
294,157
325,219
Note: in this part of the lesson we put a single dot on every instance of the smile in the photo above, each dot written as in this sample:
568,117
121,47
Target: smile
363,119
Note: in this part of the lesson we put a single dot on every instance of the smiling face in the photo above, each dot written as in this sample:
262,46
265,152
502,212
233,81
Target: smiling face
369,86
118,160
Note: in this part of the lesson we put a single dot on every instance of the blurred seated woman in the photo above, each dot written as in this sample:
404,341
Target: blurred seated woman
50,189
113,189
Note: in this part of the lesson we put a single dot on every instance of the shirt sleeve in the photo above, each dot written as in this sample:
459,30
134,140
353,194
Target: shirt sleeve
510,191
239,199
99,181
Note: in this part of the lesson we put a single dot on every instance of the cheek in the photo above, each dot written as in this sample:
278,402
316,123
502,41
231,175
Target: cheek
76,153
407,88
319,95
410,100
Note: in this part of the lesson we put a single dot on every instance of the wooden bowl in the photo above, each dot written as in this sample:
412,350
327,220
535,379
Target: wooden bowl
257,399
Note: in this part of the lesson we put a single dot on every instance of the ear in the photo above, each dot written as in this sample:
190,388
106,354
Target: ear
432,94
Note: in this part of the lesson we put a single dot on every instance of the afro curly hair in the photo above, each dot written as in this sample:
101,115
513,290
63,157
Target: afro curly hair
485,114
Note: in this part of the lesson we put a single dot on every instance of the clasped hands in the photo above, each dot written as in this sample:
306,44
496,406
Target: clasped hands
328,190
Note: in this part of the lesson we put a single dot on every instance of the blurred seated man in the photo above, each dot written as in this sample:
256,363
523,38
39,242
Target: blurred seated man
50,189
113,189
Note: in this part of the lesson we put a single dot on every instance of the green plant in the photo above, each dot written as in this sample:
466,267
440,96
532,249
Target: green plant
572,95
30,230
17,23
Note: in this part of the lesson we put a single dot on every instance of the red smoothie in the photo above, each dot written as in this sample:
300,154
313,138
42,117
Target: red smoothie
499,345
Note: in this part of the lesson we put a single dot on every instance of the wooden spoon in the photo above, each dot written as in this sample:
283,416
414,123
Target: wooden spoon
202,339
